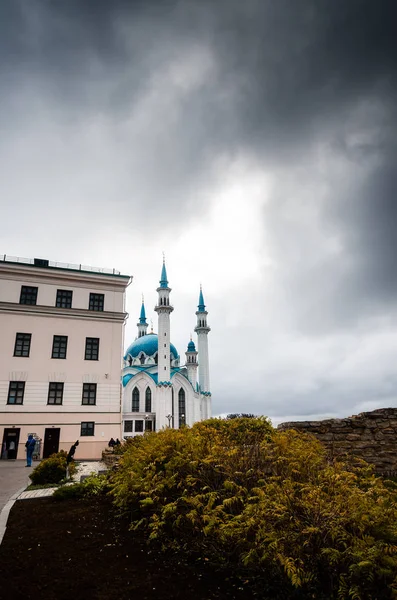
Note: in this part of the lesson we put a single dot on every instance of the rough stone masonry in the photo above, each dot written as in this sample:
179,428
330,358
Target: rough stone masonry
369,435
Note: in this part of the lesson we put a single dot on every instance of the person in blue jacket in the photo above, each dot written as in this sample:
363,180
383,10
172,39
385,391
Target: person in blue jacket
30,444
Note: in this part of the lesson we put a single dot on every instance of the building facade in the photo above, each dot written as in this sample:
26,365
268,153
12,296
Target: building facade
157,391
62,334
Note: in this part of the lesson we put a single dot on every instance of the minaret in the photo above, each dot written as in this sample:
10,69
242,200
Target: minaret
191,363
202,330
163,309
142,325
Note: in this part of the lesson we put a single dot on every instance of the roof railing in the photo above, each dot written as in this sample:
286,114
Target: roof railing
44,263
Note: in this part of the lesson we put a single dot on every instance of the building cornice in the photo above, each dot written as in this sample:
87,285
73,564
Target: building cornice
62,313
56,276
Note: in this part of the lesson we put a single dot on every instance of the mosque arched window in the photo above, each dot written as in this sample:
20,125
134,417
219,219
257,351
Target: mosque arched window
135,400
148,400
142,359
130,360
156,358
182,407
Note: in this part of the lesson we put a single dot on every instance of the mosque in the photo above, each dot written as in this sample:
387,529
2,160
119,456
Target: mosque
157,391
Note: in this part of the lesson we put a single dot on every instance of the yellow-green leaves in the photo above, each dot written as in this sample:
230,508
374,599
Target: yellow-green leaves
273,503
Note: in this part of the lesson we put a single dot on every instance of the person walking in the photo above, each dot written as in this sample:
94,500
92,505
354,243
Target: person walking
30,444
70,457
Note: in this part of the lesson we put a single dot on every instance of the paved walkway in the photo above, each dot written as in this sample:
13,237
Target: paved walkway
37,493
14,475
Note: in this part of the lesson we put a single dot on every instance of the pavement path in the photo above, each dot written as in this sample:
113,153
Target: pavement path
14,475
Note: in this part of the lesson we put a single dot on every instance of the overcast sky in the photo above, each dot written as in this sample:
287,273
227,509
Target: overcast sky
254,143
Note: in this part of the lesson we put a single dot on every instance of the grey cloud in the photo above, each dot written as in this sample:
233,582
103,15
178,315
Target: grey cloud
95,124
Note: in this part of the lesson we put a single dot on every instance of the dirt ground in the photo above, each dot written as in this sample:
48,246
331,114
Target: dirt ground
78,549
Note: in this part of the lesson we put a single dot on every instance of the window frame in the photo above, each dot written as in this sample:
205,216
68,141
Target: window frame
86,430
96,302
182,407
21,386
88,389
89,352
28,295
64,299
148,400
130,426
23,341
58,386
141,424
135,396
60,342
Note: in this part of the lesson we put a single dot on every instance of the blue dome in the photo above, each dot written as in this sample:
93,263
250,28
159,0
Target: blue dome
191,347
149,345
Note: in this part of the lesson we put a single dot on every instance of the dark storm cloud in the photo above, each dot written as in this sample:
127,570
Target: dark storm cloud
289,74
287,70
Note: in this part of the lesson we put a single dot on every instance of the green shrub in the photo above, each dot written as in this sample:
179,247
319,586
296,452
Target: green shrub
94,485
69,492
265,502
52,469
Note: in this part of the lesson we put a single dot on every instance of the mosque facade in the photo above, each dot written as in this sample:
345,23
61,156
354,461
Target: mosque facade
158,390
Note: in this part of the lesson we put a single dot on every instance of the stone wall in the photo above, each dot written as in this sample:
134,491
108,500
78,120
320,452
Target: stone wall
369,435
109,458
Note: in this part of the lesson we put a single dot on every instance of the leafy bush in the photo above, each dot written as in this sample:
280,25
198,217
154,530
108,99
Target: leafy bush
94,485
69,492
52,469
269,503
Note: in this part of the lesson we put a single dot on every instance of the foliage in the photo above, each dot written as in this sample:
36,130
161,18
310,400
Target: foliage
42,486
74,491
269,503
52,469
240,415
95,485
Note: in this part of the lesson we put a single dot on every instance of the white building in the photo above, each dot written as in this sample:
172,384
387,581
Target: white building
61,341
158,391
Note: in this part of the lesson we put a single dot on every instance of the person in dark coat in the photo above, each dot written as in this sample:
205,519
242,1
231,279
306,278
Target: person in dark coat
30,444
111,443
117,443
70,457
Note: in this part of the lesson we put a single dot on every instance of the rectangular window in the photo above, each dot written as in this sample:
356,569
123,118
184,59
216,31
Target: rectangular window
55,392
128,426
22,344
16,392
59,346
64,299
91,348
139,426
87,428
97,302
89,394
28,295
148,425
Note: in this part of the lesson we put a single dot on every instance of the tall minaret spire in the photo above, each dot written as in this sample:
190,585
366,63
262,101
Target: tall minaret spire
202,331
191,363
165,415
142,325
163,309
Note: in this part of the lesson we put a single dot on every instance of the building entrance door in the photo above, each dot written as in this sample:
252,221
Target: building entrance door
9,447
51,441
